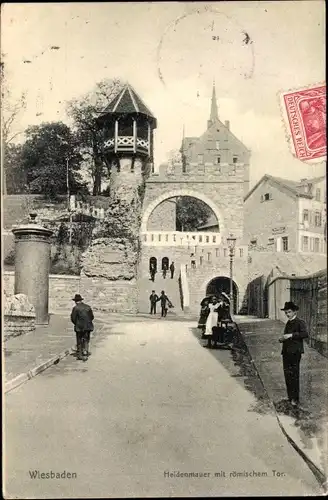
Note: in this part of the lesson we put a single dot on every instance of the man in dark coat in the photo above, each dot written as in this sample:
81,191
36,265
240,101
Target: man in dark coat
172,268
82,318
153,297
165,303
292,350
152,272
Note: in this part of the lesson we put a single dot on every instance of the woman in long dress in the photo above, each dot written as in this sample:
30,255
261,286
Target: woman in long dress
212,320
204,312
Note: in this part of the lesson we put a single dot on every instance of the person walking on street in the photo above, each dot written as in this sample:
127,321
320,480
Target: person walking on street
164,269
82,318
292,350
172,268
204,312
153,301
165,303
212,321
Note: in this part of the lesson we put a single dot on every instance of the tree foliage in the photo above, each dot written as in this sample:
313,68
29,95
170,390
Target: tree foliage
191,213
13,169
50,150
11,107
83,112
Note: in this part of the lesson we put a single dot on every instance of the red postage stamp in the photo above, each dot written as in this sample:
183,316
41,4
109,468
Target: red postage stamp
305,115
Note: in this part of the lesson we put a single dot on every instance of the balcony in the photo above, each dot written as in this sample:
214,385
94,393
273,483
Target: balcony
127,144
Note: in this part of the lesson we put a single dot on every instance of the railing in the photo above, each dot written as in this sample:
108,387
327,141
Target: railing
127,143
176,238
84,208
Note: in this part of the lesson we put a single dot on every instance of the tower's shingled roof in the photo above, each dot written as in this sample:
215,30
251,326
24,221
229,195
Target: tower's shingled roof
127,101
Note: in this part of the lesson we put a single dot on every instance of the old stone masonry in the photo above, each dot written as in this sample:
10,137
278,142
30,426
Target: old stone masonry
213,168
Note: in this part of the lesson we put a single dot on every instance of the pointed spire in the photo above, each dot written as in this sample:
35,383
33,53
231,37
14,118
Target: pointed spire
214,108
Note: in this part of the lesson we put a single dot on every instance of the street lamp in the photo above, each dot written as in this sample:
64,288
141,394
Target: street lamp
68,194
231,244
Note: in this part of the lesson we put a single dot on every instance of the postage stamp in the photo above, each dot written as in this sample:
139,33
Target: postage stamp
305,116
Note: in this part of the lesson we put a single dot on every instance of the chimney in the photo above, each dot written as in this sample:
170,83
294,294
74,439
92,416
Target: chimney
227,124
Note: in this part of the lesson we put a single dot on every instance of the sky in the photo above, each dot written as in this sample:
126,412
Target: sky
166,51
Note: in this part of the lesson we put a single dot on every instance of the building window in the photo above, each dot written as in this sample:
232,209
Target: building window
241,252
201,260
218,160
305,216
207,239
316,245
285,243
317,194
235,159
317,219
270,241
305,243
217,252
214,239
209,257
159,237
217,144
266,197
200,239
311,244
200,159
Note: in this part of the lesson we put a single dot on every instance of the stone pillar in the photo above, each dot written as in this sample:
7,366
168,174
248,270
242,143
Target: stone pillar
32,265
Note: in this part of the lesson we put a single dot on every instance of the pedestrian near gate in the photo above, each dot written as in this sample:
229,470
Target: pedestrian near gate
82,318
292,350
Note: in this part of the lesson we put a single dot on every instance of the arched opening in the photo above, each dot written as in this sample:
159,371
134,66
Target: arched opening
152,263
222,284
165,262
183,214
153,216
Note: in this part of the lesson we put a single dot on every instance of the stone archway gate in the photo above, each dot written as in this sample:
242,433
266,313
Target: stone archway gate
151,202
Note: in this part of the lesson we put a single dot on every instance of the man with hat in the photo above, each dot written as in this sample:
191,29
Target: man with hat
82,317
292,350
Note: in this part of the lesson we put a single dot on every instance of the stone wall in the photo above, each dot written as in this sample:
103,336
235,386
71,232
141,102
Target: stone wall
163,217
19,315
199,278
177,254
225,192
108,295
61,290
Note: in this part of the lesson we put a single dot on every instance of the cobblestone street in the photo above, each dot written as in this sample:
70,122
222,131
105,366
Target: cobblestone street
149,402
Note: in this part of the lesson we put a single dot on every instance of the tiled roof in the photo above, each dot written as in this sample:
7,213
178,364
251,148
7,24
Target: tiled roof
127,101
211,222
296,188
